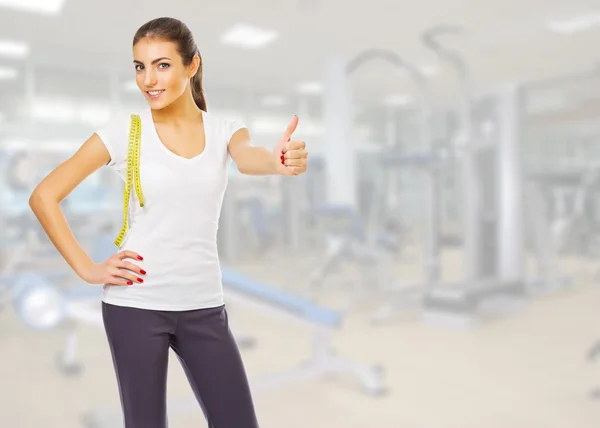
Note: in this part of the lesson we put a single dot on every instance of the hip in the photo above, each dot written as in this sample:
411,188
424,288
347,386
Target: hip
173,296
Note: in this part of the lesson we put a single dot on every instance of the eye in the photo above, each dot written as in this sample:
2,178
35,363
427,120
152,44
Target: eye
165,64
136,67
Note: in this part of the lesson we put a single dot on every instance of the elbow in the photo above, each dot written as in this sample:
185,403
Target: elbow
37,200
240,165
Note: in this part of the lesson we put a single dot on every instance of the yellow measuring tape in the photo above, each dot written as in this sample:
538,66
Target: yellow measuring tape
133,174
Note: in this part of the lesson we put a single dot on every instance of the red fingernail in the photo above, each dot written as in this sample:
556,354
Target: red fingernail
143,271
129,283
140,258
140,280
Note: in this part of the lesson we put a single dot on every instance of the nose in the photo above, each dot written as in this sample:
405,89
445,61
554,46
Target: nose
149,79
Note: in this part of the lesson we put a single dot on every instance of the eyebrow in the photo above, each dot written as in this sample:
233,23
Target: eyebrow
153,62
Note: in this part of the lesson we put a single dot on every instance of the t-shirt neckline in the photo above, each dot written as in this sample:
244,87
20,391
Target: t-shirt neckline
155,135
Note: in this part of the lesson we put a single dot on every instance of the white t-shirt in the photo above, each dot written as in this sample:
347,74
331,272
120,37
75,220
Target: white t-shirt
176,230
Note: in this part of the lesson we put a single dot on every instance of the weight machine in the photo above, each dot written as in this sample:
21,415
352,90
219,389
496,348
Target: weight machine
364,238
495,211
494,214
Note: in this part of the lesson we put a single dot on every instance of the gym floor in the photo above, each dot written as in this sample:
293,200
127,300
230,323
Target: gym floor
528,370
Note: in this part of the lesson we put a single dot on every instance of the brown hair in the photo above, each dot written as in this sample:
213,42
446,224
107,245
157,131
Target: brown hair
174,30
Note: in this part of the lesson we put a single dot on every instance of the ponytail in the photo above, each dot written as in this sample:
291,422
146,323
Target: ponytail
198,91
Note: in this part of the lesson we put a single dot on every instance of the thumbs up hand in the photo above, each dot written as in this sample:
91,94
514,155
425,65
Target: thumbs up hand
292,155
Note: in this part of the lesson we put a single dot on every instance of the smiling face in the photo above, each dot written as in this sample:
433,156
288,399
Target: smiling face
160,72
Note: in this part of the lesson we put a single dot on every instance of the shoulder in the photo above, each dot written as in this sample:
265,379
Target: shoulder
119,121
114,133
225,124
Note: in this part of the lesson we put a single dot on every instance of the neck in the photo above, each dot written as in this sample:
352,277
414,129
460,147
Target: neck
182,109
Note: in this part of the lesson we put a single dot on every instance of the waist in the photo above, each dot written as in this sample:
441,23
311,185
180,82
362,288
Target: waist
174,229
184,261
172,247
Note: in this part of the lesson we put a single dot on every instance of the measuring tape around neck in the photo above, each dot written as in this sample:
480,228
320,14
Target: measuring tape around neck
133,174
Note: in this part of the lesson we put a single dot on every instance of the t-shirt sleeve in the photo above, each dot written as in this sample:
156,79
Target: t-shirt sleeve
231,127
115,136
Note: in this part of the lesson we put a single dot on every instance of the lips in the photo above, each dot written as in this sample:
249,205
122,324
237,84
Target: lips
155,93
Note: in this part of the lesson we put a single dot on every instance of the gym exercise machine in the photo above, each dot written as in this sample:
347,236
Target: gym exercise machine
493,224
493,197
493,274
427,162
400,297
321,321
351,247
494,208
352,236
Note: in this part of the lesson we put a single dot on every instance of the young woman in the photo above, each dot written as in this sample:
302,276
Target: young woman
163,289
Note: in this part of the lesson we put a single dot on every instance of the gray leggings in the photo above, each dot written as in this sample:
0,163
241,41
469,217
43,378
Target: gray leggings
139,341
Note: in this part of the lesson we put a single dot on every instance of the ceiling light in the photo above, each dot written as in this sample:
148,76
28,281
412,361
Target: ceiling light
310,88
44,7
575,24
7,73
249,37
13,49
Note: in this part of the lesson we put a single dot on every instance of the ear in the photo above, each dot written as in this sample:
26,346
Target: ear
194,65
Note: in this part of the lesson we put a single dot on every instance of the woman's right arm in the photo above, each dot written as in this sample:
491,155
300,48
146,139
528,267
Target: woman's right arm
45,203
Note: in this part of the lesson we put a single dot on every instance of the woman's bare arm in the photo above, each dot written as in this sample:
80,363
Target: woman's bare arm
45,204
